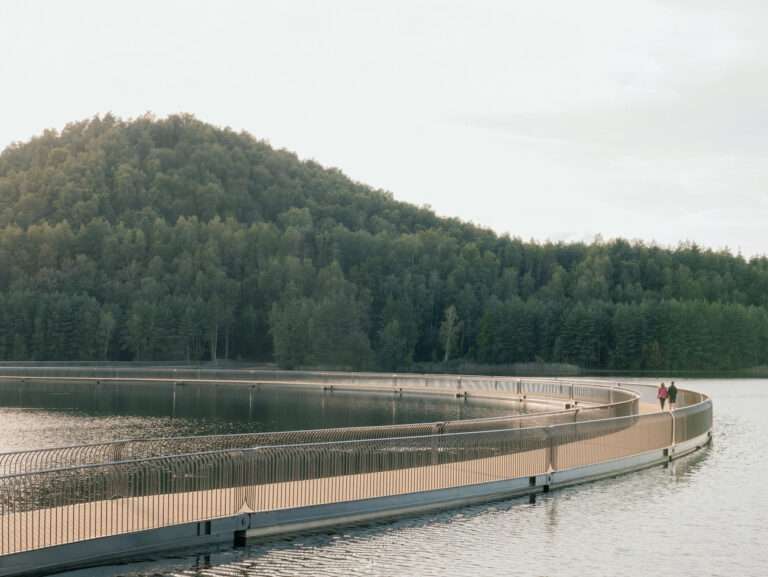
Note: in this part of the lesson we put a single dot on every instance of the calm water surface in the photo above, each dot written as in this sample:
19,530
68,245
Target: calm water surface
35,415
706,515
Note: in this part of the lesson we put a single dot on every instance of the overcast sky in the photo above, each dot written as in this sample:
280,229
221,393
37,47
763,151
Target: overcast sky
547,120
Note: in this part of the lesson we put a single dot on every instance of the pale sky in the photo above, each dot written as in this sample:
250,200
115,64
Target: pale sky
553,120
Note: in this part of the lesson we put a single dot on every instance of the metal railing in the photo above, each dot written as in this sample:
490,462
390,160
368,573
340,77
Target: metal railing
43,508
585,403
489,385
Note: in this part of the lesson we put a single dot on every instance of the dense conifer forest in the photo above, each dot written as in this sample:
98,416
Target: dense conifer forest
173,239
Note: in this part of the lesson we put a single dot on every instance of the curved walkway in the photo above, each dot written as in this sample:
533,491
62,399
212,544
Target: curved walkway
62,506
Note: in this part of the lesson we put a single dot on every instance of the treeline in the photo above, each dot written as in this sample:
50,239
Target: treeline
171,239
635,336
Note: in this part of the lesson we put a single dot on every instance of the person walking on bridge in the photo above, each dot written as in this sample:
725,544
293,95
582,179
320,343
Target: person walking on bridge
672,393
662,395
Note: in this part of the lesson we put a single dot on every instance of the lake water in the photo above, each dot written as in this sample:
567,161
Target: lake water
705,515
35,415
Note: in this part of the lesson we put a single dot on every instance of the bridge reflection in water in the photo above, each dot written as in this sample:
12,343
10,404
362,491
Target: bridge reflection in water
78,505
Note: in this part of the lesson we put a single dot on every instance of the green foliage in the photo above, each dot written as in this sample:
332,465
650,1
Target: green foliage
291,324
393,351
172,239
328,330
449,332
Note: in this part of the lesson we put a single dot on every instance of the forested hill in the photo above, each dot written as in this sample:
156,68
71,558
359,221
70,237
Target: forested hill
172,239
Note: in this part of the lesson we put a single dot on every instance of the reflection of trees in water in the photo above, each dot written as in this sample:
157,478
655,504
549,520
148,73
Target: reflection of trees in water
240,408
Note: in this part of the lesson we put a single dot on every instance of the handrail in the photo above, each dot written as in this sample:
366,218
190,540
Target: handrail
42,508
511,389
615,422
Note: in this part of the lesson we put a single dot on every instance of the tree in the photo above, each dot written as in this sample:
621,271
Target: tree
172,239
449,331
290,326
393,351
107,324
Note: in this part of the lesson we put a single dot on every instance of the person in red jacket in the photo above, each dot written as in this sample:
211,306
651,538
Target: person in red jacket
662,395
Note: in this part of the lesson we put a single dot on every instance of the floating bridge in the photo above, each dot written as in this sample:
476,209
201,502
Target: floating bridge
76,506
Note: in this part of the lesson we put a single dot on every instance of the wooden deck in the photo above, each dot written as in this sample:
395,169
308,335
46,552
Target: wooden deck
72,523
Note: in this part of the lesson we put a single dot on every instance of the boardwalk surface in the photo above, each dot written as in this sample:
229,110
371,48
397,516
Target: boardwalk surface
72,523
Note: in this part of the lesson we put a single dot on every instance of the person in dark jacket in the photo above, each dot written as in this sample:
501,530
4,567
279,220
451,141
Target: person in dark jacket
672,394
